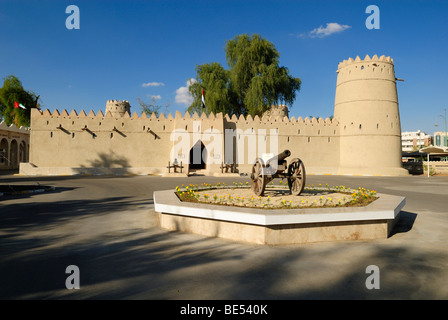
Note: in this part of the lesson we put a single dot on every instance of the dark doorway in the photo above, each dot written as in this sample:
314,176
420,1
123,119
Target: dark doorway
198,156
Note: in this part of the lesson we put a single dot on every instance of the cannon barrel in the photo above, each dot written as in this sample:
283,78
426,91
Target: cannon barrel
280,157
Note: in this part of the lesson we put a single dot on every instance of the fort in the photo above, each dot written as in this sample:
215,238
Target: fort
363,138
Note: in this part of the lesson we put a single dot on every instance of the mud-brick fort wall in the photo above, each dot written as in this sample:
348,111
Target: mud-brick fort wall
80,141
63,143
364,137
314,141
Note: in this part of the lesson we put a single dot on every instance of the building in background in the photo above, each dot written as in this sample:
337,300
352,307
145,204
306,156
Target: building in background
414,140
440,139
14,146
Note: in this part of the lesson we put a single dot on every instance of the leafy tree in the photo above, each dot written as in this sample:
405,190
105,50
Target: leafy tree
151,107
11,92
215,79
253,82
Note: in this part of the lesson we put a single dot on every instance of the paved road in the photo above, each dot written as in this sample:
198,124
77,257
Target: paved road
107,227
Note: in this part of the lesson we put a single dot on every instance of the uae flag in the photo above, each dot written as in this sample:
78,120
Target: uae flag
18,105
203,99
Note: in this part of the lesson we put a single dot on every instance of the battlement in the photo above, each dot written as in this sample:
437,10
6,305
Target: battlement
367,59
178,116
374,69
13,128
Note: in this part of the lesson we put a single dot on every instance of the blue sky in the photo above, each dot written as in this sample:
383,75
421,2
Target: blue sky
122,45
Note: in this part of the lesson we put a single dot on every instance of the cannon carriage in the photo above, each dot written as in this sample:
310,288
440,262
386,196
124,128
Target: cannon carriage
266,170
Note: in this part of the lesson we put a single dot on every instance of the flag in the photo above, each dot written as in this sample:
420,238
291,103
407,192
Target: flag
203,99
18,105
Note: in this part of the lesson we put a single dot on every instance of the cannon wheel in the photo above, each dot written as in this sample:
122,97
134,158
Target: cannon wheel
296,179
258,178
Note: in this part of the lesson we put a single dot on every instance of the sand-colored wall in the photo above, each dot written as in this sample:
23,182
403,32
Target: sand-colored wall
315,141
89,140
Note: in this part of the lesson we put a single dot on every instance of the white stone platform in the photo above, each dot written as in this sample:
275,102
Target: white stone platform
279,226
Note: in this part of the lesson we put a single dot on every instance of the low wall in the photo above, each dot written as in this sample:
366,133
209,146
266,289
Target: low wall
279,226
437,167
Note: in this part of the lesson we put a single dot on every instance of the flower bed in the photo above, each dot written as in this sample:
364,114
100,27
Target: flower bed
276,196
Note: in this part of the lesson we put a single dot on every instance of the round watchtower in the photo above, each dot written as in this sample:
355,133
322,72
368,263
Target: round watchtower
118,108
366,107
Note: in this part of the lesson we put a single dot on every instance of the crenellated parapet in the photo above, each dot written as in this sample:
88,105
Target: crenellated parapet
13,128
74,121
367,59
374,68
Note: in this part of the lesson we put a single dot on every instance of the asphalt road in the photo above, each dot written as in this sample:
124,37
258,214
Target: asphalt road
106,226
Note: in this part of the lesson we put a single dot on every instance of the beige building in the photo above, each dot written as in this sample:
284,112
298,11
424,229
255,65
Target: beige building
364,138
440,139
14,146
414,140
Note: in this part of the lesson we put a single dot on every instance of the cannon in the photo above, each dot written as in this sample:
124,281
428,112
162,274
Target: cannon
268,167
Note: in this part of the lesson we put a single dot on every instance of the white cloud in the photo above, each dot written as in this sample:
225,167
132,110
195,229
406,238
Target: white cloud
152,84
156,97
183,96
322,32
